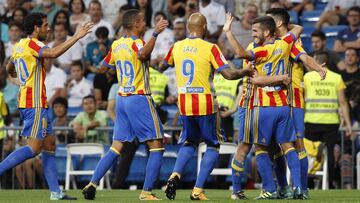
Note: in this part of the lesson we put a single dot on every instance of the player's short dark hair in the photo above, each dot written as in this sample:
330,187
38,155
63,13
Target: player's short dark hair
32,20
281,14
102,32
354,8
89,97
320,34
322,56
266,23
77,63
15,24
130,17
61,100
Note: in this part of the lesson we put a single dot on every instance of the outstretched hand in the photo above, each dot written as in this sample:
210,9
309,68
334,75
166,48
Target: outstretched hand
228,21
83,30
161,25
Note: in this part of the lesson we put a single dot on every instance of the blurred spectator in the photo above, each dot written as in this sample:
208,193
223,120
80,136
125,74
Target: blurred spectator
160,5
112,101
10,91
241,6
351,74
215,17
324,98
2,53
318,43
145,7
77,87
96,16
192,6
54,81
349,37
179,29
78,16
110,9
118,22
229,5
49,8
62,16
163,43
19,15
84,123
9,10
297,5
102,84
15,33
242,30
97,50
4,28
61,34
335,11
60,107
176,8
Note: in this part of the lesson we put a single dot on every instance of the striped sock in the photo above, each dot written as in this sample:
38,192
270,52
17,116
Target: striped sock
304,167
237,174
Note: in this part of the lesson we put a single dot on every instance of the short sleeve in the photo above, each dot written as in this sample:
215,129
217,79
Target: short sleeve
297,50
340,35
217,59
259,54
341,84
137,46
36,48
78,119
169,58
109,60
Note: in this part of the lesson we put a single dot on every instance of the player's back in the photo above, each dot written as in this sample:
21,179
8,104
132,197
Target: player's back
132,73
31,73
195,61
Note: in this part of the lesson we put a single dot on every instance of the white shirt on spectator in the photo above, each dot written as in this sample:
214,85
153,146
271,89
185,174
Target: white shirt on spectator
214,14
74,53
8,49
54,79
163,42
92,37
78,91
172,85
111,8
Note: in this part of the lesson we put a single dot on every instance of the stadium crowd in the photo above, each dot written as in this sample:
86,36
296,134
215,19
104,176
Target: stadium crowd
83,99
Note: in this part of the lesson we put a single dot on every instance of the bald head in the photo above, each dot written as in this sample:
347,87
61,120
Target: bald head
197,23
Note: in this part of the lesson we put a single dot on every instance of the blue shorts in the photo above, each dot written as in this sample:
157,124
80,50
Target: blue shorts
201,128
36,123
272,122
245,134
297,115
136,117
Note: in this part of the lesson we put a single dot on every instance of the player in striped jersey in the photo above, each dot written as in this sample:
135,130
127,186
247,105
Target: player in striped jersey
296,92
27,63
271,116
136,116
195,61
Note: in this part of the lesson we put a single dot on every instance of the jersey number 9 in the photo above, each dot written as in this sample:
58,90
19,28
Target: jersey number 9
188,71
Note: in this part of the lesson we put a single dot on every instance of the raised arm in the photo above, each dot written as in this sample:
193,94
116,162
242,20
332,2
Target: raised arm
239,50
310,62
145,52
61,48
296,30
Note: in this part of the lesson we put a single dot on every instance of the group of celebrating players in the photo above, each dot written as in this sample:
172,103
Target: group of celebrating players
271,107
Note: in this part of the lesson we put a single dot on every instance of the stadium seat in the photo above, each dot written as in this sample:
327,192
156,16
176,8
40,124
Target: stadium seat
82,149
306,37
309,18
331,33
225,148
320,4
172,112
138,165
73,111
294,17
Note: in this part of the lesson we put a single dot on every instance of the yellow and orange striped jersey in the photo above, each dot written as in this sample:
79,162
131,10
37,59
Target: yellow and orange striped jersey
296,89
272,59
31,72
132,73
195,61
247,95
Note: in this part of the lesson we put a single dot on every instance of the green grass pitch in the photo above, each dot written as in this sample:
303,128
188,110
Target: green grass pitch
108,196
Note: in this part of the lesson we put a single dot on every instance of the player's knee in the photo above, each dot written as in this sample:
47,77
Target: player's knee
155,144
117,146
